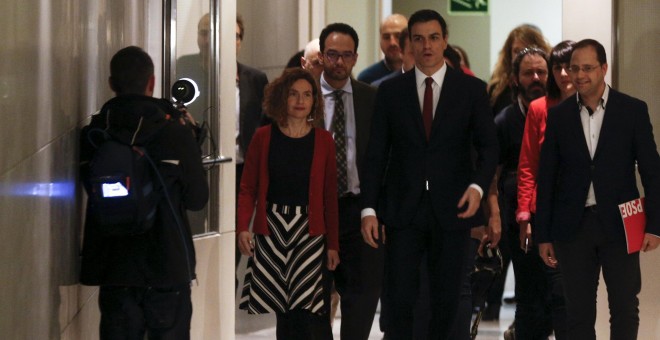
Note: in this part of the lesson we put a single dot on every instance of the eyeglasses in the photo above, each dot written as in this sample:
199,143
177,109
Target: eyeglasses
584,68
333,56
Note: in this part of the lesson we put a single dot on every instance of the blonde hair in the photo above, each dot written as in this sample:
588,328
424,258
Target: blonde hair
529,36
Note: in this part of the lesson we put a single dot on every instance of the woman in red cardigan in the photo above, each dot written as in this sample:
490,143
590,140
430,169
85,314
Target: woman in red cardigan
559,88
290,184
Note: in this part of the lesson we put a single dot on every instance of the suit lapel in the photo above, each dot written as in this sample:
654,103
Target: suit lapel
361,117
243,88
446,96
609,123
578,129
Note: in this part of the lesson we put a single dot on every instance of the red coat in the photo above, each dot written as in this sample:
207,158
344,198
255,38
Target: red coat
528,163
323,211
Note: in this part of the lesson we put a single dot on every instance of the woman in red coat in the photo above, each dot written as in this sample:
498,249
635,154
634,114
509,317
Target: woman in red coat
290,184
559,88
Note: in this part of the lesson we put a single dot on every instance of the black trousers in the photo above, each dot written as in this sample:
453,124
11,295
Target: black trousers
422,313
446,251
581,260
533,315
359,276
301,324
127,313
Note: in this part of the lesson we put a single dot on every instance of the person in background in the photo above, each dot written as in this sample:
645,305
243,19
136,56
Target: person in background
594,144
500,93
407,58
532,318
295,61
465,61
290,185
390,30
499,86
145,278
310,60
559,88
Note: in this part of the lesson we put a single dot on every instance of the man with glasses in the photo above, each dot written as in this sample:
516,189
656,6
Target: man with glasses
593,142
349,105
529,77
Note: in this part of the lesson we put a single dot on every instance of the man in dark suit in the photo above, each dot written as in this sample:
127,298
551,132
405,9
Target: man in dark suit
587,167
425,124
349,105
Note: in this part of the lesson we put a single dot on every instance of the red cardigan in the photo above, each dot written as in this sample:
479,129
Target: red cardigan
322,210
528,163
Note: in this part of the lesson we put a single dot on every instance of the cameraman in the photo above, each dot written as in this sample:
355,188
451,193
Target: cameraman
145,279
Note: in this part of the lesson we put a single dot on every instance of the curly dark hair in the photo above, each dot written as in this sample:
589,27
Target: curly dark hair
277,93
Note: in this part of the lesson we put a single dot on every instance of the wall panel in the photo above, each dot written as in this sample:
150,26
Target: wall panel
53,75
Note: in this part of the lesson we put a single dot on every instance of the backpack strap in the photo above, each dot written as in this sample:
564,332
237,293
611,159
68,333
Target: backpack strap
96,142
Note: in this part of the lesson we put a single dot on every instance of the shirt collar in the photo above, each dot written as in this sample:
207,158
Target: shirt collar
326,89
603,99
438,76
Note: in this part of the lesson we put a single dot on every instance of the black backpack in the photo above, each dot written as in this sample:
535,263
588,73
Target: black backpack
123,188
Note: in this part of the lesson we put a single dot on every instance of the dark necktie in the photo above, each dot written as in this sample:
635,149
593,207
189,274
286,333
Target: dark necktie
339,130
427,110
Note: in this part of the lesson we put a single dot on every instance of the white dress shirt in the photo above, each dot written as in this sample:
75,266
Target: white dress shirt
591,124
349,112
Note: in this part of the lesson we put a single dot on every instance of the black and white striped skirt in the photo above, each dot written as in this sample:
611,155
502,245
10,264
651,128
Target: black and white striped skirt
286,271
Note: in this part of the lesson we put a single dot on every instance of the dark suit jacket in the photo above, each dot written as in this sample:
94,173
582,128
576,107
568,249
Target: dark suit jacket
251,84
364,98
566,168
400,158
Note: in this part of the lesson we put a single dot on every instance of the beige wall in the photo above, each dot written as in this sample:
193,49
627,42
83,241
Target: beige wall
271,34
635,65
469,32
363,16
53,70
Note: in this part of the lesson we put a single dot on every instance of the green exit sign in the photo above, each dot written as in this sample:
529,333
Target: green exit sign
469,7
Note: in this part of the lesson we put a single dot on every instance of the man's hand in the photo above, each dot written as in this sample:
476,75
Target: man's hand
333,259
245,244
369,230
186,116
473,199
650,242
493,230
525,235
547,252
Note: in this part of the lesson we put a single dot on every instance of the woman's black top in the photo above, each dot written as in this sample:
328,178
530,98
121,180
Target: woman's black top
289,166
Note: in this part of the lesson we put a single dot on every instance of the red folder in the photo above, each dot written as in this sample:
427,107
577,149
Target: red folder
634,223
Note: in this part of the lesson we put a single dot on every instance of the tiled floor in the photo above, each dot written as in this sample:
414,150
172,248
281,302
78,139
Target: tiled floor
488,330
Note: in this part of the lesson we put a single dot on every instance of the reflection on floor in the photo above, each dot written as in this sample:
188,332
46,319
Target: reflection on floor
488,330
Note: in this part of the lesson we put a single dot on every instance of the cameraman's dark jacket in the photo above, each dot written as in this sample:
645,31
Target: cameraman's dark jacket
164,256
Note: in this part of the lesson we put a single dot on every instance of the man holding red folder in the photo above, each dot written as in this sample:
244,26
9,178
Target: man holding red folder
587,168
